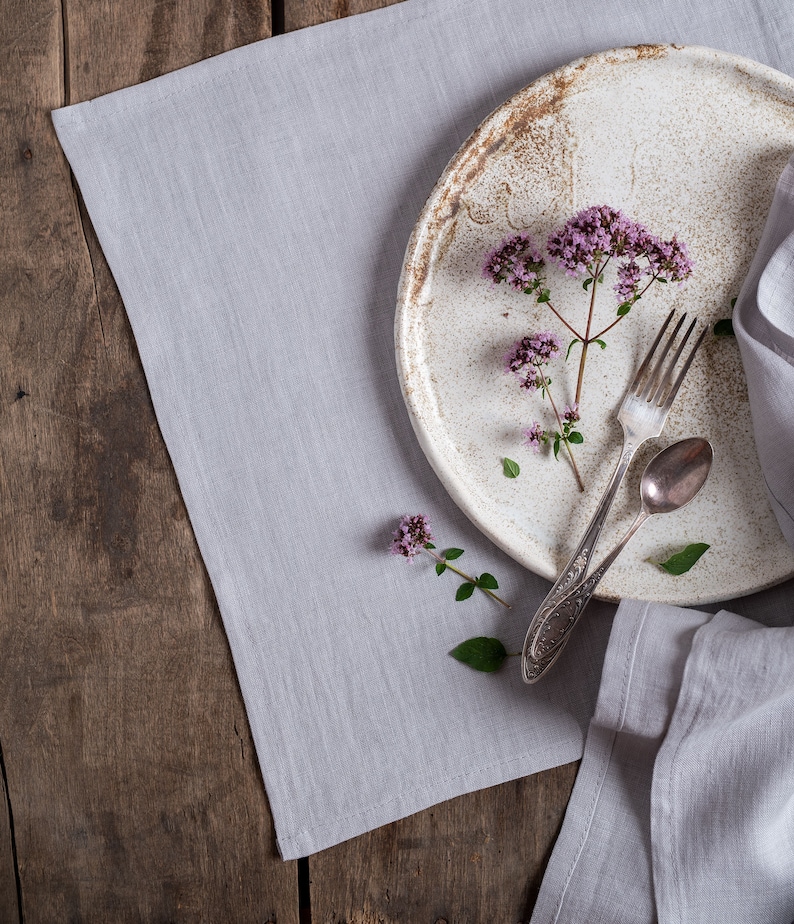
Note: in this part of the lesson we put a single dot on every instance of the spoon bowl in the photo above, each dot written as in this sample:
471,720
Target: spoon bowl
675,476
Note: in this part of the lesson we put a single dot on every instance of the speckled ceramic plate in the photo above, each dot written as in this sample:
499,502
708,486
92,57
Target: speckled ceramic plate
686,140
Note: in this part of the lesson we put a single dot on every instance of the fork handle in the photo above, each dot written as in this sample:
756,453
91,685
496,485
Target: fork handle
574,573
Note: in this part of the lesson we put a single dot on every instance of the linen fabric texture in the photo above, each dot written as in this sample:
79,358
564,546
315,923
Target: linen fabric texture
254,210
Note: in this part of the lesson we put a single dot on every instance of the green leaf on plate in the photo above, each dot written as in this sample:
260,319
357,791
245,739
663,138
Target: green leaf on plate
587,283
724,328
682,561
624,309
575,437
544,296
481,653
487,581
429,545
556,445
510,468
571,346
601,344
464,591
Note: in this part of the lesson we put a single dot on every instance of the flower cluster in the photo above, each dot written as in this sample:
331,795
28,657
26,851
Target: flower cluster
526,356
411,536
597,234
535,436
516,261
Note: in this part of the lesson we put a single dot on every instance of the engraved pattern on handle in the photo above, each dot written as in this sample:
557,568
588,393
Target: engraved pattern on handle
574,572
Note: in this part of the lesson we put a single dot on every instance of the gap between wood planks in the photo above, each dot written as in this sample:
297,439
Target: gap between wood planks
12,838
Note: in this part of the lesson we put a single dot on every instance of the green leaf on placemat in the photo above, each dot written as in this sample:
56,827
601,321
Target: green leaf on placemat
724,328
488,581
682,561
452,554
465,591
481,653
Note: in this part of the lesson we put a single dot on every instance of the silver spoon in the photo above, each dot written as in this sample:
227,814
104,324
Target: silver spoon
670,481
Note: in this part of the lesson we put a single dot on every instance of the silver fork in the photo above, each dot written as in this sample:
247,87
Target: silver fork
642,415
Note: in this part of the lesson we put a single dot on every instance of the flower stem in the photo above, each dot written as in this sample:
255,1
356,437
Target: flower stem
609,327
586,339
466,577
545,386
563,321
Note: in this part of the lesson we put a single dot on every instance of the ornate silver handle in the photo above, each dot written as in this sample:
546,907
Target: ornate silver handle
556,626
573,574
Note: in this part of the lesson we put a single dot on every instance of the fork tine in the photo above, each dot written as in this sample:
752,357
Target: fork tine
649,355
652,382
684,369
666,381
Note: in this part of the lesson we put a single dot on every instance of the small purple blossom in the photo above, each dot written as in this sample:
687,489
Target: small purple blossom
534,436
571,414
629,277
411,536
526,356
670,259
594,234
516,261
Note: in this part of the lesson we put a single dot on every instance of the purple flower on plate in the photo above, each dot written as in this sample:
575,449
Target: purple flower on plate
516,261
534,436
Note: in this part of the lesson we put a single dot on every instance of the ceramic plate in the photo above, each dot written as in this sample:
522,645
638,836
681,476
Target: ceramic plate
688,141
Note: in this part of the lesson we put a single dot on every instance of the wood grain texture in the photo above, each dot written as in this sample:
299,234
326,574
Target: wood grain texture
130,769
478,858
301,13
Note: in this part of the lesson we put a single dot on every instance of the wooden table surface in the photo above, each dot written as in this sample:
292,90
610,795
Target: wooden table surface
130,789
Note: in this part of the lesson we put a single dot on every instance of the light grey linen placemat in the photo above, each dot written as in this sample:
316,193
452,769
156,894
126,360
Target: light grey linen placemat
254,209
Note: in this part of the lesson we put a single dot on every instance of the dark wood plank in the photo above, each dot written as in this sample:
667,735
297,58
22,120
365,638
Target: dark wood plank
130,769
474,859
301,13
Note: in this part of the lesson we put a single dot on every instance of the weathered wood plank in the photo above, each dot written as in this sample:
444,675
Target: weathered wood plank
474,859
130,767
301,13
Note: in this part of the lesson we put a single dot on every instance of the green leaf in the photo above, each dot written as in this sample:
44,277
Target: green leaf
724,328
733,301
682,561
587,283
601,278
429,545
440,567
571,346
556,444
511,468
481,653
464,591
452,554
601,344
487,581
575,437
624,309
544,296
661,279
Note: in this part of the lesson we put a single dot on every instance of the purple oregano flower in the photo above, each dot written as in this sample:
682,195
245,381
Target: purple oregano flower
516,261
525,357
411,536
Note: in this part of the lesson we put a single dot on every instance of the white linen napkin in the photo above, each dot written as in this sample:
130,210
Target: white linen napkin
254,209
683,808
